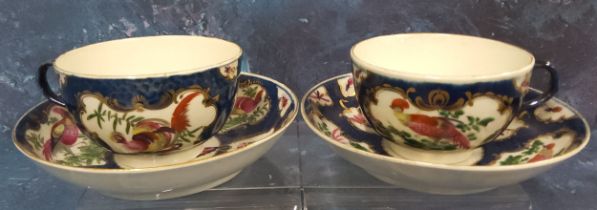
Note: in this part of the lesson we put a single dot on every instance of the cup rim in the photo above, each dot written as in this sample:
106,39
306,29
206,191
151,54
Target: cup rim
57,62
289,121
414,163
438,78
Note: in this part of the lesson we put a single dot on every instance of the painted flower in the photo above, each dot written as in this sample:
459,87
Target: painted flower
359,74
321,97
356,118
207,150
338,136
346,86
229,71
283,101
554,109
544,154
552,112
359,118
243,145
244,104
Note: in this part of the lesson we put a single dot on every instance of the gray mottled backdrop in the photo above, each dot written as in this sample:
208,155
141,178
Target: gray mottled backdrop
297,42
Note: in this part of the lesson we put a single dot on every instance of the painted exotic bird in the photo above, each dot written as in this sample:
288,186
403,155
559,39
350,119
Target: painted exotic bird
152,135
148,136
64,131
245,104
433,127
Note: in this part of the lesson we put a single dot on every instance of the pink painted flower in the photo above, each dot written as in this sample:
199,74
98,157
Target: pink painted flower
337,135
244,104
283,101
320,97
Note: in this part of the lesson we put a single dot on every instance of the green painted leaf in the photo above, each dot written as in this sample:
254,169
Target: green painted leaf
358,146
458,113
470,119
475,127
444,113
512,160
91,116
114,124
486,121
535,147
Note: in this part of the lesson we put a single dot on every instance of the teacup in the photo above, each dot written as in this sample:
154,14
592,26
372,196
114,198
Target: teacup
442,94
146,94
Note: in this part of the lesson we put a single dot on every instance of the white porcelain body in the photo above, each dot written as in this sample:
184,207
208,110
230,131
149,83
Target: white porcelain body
421,178
163,182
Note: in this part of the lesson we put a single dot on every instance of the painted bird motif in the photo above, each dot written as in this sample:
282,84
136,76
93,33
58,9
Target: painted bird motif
436,128
152,135
244,104
64,131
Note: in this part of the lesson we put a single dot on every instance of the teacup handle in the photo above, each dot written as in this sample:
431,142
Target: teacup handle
42,80
553,86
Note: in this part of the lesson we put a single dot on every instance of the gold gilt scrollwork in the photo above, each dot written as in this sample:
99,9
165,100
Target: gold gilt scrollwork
506,100
404,93
440,99
140,103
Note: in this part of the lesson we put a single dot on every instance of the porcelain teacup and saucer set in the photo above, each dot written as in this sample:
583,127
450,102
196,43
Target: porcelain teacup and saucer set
153,117
444,113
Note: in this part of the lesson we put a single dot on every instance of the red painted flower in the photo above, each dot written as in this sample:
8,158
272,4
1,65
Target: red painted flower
244,104
207,150
349,84
358,118
283,101
554,109
544,154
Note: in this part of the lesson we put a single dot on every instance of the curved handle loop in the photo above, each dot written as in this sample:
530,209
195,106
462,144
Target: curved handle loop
42,80
553,86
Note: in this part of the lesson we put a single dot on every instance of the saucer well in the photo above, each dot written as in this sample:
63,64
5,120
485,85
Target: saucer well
537,140
264,109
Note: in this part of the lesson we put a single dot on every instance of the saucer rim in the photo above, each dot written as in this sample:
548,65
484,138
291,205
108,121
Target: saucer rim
289,121
473,168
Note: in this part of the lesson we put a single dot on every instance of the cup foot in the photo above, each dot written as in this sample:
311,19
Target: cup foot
466,157
169,194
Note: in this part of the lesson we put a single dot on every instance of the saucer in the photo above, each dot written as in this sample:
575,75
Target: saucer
535,141
263,109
